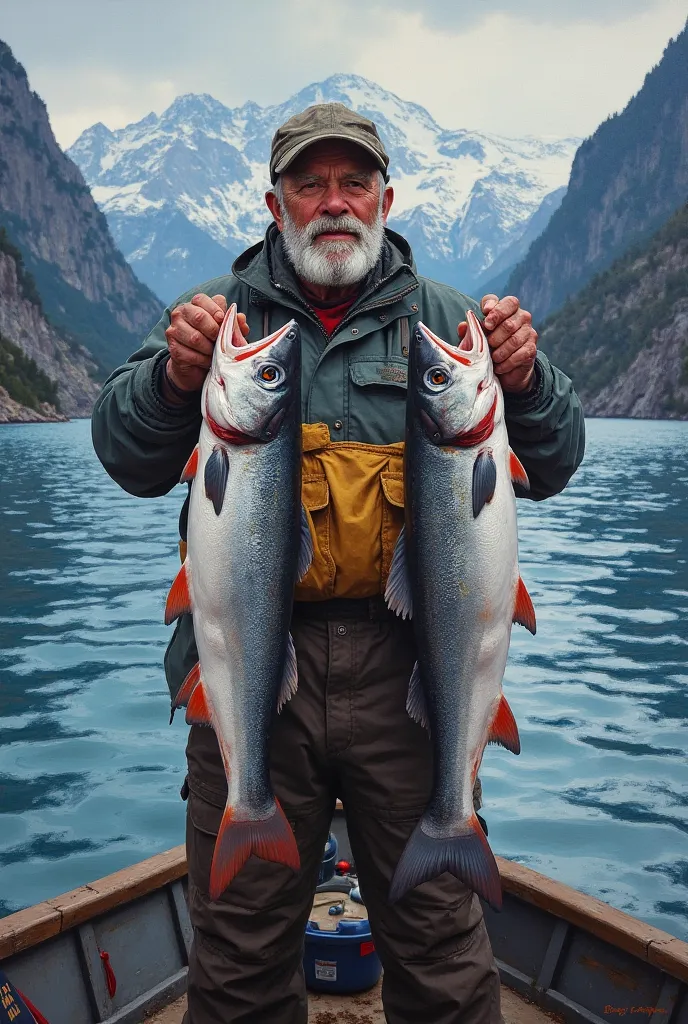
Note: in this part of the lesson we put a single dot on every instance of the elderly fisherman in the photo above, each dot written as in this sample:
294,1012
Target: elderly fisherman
329,262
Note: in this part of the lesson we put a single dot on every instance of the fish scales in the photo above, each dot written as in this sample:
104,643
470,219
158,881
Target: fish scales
248,542
455,570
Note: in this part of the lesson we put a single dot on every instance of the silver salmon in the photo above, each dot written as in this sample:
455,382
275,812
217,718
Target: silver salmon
455,571
248,543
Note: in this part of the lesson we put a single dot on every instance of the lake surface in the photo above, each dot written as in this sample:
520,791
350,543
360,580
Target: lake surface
90,770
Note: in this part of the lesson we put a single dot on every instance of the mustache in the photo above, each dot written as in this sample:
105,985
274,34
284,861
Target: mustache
349,225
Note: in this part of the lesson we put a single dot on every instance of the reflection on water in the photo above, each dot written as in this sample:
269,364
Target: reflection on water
90,771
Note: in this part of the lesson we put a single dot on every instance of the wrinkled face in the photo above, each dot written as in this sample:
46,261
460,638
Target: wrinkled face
455,390
332,210
250,388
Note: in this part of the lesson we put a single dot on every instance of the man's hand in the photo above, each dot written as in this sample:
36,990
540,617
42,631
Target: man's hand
512,339
194,327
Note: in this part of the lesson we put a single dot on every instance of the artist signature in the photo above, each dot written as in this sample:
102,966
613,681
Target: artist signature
621,1011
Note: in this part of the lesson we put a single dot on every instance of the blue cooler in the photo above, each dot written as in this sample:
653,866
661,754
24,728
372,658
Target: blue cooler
339,954
329,860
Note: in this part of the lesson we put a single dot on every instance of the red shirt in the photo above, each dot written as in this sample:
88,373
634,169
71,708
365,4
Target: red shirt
329,316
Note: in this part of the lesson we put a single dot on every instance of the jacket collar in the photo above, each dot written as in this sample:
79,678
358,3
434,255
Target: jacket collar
267,271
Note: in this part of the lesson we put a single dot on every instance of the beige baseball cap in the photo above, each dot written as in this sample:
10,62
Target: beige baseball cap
324,121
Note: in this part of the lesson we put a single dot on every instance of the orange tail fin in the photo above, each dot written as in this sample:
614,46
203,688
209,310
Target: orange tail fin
271,839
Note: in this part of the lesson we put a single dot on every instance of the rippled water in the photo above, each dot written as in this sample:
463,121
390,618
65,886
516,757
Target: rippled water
90,770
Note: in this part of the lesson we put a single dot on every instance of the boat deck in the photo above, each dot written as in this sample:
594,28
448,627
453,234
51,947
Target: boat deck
366,1008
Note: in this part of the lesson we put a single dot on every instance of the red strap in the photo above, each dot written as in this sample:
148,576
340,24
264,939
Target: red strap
36,1014
109,974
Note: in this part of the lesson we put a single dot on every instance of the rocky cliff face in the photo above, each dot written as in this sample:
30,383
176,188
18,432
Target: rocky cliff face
23,323
88,290
625,182
624,338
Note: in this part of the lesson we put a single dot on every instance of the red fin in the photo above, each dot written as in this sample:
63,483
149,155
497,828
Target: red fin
518,473
524,613
197,710
188,686
178,599
504,729
191,467
271,839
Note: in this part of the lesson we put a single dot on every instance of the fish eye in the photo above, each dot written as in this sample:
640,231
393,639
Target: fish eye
270,375
437,378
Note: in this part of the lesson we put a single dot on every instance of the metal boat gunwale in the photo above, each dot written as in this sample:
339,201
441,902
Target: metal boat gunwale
562,920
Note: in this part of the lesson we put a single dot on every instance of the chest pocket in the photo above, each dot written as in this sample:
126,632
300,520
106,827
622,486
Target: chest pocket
390,371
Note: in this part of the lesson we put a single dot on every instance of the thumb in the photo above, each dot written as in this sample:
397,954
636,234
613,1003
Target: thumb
243,325
462,328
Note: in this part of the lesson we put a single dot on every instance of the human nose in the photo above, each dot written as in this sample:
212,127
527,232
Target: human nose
334,202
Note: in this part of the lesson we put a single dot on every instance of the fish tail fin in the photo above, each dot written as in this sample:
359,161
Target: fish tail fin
270,839
468,857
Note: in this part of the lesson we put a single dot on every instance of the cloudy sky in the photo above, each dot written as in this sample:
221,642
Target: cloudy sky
541,67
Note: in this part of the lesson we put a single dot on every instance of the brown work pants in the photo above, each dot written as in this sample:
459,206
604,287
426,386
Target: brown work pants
345,733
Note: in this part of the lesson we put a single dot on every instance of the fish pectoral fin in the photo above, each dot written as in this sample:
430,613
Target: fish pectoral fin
191,467
503,729
484,481
271,839
468,857
290,679
184,692
524,613
416,705
215,477
198,709
179,599
398,590
305,547
518,473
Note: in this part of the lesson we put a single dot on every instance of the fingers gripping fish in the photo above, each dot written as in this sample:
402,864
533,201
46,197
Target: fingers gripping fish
248,543
455,570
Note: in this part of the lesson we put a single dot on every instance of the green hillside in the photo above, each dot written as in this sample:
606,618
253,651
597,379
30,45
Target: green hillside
22,379
598,334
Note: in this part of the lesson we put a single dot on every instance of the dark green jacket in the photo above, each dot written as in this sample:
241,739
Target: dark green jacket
354,381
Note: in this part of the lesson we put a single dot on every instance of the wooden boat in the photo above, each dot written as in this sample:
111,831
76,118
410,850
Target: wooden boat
560,949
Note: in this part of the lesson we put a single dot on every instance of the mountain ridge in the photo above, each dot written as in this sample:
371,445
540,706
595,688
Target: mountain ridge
460,197
626,180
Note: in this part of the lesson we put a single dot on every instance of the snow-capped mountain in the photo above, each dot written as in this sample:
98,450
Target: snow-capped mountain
183,192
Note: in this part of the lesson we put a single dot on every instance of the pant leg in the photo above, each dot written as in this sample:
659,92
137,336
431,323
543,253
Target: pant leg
433,943
245,965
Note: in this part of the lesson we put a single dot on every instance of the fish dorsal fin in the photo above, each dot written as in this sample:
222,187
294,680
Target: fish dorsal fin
524,613
398,589
484,481
305,547
215,477
191,467
503,729
518,473
416,705
178,599
198,709
290,678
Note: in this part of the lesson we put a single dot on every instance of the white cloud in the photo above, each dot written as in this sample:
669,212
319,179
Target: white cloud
506,66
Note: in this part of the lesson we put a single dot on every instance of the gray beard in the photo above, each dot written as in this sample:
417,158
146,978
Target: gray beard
334,264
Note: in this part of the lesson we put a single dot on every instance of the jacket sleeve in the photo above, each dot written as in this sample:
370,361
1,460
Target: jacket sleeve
546,430
142,441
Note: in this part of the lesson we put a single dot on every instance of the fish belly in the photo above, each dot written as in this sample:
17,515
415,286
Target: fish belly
241,585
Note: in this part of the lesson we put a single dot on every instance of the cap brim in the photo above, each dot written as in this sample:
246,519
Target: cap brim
291,155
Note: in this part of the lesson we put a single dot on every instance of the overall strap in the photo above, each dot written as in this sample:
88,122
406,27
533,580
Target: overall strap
266,321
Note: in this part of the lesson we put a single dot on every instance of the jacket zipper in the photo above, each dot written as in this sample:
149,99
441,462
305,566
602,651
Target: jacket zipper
350,316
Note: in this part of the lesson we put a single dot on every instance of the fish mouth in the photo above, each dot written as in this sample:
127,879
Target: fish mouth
233,344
